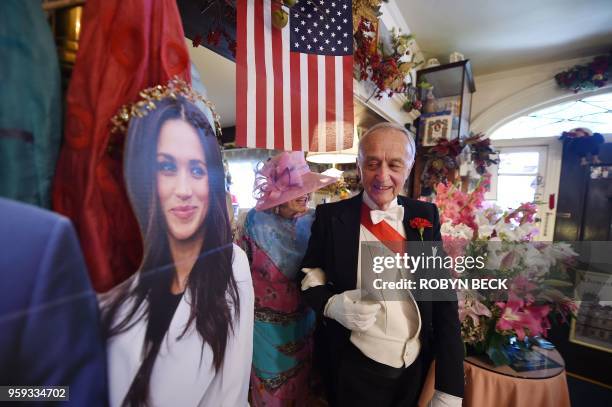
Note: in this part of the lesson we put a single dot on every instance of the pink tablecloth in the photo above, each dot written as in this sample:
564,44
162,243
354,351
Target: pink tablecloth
487,388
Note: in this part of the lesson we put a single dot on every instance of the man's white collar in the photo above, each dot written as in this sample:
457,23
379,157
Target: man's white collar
370,203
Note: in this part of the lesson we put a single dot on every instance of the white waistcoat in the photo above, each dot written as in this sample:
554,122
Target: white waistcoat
393,340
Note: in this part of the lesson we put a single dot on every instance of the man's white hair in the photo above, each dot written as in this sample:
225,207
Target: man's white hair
386,126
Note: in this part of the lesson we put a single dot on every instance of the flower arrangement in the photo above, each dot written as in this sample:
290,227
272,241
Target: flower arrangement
389,71
586,77
339,189
442,159
440,163
535,270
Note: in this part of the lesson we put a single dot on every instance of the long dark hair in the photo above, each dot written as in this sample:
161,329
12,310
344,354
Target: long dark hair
211,278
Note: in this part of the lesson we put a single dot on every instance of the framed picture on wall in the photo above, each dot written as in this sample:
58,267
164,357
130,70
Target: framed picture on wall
592,325
436,128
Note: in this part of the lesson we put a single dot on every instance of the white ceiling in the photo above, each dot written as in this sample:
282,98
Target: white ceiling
497,35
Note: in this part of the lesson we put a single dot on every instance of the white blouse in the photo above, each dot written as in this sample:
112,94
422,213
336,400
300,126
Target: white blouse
184,374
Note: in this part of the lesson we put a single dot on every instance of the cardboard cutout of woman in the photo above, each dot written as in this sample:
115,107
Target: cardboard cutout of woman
180,331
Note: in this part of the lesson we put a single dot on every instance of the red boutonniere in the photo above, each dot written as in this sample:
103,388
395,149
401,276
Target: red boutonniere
420,224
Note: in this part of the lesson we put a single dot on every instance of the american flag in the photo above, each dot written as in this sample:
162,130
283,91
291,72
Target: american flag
294,86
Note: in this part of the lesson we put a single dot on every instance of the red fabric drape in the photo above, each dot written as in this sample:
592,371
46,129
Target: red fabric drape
125,46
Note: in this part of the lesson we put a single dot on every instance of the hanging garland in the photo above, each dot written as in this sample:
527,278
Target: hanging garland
586,77
389,71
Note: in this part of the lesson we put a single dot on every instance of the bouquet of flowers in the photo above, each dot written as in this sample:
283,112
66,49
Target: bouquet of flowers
586,77
535,270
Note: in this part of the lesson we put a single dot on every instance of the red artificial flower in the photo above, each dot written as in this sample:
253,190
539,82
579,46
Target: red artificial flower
420,224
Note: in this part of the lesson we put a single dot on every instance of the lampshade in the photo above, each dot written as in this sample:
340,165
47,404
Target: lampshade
347,156
333,172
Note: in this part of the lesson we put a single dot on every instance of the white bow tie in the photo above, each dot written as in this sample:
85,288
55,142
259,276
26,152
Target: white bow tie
390,215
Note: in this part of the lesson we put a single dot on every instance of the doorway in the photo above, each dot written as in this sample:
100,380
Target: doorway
528,171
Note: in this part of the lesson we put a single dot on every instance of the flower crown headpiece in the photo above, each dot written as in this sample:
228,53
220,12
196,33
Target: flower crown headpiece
176,87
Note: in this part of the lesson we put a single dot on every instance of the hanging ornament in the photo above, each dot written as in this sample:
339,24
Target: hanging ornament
280,18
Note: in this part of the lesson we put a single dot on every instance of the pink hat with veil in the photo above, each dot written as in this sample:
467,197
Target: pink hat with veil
284,177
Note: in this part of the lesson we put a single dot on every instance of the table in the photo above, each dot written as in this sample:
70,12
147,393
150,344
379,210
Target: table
487,385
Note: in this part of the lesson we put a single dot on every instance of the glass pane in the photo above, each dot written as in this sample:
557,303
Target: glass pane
603,101
569,110
524,162
594,113
513,190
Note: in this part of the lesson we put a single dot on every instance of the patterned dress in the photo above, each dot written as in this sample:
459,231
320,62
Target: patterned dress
282,342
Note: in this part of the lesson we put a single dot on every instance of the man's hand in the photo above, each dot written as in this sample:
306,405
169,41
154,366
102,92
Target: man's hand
348,309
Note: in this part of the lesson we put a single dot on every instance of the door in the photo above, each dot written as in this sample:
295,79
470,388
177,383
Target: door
527,173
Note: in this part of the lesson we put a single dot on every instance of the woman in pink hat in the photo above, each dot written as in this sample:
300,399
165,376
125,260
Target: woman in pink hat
275,236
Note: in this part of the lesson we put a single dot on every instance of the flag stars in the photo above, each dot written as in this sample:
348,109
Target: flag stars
328,34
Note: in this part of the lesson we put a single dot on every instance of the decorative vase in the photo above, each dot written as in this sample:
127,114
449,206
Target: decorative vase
430,102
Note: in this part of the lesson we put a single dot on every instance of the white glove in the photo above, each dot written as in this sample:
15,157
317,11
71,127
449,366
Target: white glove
314,277
441,399
348,309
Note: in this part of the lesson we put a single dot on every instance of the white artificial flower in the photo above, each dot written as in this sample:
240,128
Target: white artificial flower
485,229
457,231
562,251
536,260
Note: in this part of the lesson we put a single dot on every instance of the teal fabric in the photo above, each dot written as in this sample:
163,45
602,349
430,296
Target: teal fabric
30,103
283,240
268,362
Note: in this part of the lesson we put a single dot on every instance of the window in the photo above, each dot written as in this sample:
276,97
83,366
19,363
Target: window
518,176
593,112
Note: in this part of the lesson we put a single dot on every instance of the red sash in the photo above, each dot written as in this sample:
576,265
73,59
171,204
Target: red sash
383,231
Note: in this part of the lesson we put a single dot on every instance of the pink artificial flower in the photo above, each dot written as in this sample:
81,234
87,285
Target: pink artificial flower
454,246
517,318
472,308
